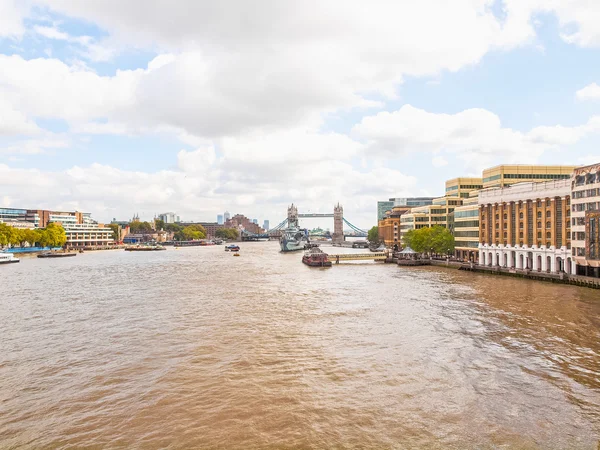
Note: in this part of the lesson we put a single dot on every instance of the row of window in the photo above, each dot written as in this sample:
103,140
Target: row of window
589,178
470,213
586,207
466,224
587,193
464,186
536,176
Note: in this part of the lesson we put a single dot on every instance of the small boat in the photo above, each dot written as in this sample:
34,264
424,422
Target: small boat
8,258
315,257
144,248
56,254
232,248
236,254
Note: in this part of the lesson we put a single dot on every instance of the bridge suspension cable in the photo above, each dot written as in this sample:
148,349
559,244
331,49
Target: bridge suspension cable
355,228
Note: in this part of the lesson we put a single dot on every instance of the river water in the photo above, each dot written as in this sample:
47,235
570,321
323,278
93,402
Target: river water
192,348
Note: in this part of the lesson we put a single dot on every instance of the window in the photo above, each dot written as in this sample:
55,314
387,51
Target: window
539,203
548,244
497,216
505,235
539,224
548,235
521,225
505,216
520,215
539,214
548,224
497,234
547,203
539,234
548,214
521,235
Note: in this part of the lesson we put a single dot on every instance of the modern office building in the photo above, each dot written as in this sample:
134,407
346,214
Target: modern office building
384,206
506,175
220,220
8,215
81,229
465,228
226,216
266,225
431,215
255,221
169,217
461,187
585,222
526,227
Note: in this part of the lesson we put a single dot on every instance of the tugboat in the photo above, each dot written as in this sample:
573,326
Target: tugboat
8,258
315,257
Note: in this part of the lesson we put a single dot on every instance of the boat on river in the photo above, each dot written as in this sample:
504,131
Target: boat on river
8,258
56,254
315,257
144,248
232,248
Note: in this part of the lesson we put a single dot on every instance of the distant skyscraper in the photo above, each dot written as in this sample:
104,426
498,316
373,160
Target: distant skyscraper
226,216
255,221
220,219
266,224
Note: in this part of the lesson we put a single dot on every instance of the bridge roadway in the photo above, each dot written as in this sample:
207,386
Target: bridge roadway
377,256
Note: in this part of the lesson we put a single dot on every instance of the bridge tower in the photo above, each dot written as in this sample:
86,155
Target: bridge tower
292,216
338,224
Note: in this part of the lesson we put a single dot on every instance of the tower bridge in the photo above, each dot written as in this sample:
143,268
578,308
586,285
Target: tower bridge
293,217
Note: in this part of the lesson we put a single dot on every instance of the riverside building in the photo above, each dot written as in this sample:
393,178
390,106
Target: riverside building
505,175
526,227
585,221
429,216
389,226
465,228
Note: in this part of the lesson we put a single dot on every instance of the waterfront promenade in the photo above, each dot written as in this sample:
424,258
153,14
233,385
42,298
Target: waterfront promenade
193,348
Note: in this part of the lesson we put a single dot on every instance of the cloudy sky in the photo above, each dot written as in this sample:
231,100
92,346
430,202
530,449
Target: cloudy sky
117,107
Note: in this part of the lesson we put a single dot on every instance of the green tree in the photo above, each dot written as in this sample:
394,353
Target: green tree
173,227
442,241
140,227
190,233
116,231
54,235
227,233
159,224
373,235
436,240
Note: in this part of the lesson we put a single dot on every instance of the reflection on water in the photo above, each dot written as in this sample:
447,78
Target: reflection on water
194,348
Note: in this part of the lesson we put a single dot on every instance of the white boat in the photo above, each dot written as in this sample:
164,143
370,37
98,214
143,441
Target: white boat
8,258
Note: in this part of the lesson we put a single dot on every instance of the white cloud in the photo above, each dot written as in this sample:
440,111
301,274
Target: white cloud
590,92
14,122
51,33
11,18
439,161
475,135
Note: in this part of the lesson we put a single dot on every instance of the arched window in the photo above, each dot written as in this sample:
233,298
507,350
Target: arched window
548,235
520,215
539,225
539,214
548,214
548,224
